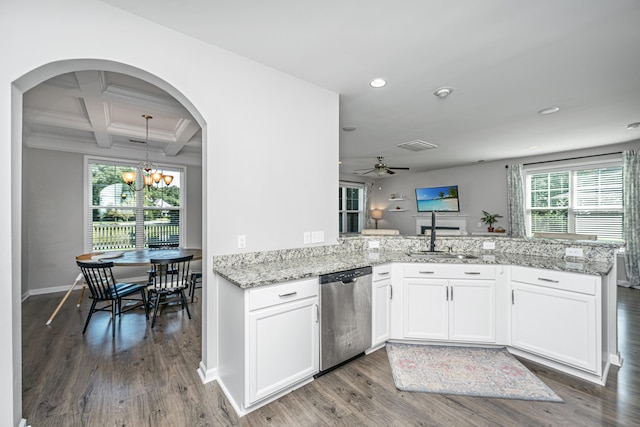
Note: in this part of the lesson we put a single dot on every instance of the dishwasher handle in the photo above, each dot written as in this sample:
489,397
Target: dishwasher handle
352,280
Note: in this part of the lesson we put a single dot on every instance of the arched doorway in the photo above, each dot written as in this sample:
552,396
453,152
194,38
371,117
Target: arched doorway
32,80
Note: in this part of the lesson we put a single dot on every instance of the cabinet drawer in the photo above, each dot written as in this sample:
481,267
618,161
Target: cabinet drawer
381,272
282,292
450,271
572,282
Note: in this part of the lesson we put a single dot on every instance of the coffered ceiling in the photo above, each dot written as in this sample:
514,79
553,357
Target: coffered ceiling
95,111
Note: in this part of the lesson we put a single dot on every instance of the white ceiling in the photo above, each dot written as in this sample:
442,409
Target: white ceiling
504,59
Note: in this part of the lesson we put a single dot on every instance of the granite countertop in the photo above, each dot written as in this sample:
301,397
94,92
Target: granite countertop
252,275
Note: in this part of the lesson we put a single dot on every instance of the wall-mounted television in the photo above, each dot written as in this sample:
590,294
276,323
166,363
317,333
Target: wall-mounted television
438,199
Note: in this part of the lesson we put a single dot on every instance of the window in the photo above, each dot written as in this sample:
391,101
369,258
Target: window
583,199
351,207
119,218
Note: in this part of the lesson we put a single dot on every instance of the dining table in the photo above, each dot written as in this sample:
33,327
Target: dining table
127,258
139,257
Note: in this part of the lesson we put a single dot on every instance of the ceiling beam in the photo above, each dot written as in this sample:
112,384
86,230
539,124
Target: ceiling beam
185,131
91,89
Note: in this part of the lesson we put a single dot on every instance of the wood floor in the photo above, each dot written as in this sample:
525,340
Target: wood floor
147,377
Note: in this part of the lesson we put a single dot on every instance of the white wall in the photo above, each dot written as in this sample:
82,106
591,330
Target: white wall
260,128
481,186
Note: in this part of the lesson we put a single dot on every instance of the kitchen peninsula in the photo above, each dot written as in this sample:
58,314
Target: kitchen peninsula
523,294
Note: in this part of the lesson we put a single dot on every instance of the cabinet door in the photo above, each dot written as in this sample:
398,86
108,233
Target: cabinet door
425,308
283,347
558,324
381,312
472,310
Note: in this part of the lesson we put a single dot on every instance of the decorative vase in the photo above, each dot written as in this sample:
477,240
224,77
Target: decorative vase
490,229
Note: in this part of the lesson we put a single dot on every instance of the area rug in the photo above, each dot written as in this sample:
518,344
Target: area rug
467,371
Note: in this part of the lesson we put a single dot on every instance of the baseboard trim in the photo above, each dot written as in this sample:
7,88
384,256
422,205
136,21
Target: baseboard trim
206,375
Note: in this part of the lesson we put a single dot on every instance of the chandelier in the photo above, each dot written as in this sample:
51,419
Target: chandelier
148,170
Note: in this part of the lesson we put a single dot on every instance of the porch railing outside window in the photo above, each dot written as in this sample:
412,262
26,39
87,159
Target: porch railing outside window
122,235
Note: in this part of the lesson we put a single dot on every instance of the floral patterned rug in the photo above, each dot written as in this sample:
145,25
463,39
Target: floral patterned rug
467,371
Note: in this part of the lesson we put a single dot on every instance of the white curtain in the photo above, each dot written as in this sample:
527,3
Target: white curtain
516,200
631,224
367,204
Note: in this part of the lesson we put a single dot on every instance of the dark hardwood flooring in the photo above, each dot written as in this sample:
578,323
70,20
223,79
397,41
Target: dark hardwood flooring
148,377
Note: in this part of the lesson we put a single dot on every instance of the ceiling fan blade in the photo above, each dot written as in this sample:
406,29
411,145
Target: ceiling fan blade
406,169
364,173
390,172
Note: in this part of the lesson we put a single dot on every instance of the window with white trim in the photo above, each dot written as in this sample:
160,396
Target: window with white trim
583,199
120,218
351,207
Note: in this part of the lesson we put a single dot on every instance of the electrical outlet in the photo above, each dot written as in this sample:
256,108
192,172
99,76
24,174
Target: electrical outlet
374,244
306,237
242,241
575,252
317,236
488,245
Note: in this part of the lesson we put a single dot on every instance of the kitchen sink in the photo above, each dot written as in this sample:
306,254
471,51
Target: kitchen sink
436,254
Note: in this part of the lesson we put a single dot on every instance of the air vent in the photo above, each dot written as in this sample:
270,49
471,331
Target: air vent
417,145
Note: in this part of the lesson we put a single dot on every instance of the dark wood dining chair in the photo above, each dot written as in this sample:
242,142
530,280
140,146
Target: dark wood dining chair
163,245
158,246
171,277
196,283
104,289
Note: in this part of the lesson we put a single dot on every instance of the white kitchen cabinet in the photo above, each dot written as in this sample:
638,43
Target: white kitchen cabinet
472,310
426,310
447,306
283,346
269,340
557,315
381,305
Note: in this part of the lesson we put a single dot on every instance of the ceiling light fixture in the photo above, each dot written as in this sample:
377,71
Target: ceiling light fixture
632,126
148,171
443,92
550,110
378,82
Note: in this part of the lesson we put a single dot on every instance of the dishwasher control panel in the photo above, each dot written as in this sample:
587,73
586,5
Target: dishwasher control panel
345,276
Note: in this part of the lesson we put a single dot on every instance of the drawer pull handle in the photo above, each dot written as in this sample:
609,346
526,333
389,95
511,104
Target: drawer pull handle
383,273
548,280
471,272
425,272
290,294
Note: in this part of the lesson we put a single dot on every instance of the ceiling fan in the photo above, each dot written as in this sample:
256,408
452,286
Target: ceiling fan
381,168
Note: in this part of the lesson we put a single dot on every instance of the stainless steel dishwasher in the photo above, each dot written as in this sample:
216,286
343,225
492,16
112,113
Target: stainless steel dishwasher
345,316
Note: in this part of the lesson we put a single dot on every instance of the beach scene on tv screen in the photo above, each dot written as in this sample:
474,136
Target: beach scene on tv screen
437,198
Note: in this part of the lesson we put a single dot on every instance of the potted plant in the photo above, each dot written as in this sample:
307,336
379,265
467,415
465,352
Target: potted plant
490,219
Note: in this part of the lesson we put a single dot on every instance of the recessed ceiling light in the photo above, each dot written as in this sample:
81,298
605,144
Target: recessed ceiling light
349,128
632,126
378,82
443,92
549,110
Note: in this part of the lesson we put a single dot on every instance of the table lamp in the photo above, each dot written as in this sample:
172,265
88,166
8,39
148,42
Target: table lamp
376,214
